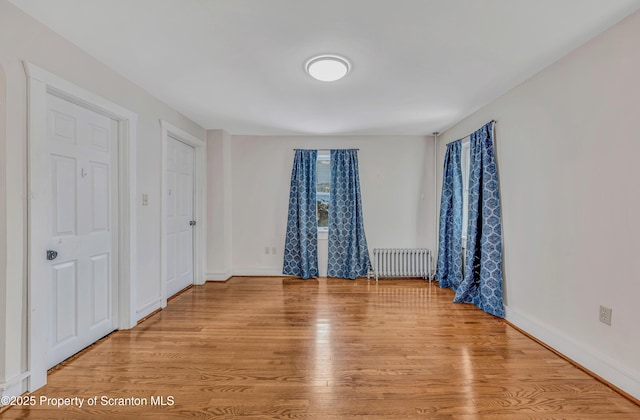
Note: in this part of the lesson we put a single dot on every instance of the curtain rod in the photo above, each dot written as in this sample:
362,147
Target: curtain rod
469,135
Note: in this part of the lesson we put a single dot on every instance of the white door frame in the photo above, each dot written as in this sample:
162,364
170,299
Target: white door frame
199,205
40,83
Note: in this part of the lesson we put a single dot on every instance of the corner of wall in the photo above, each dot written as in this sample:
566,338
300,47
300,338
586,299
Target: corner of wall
3,224
219,196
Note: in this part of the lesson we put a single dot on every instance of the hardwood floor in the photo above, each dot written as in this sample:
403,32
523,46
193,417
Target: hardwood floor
324,349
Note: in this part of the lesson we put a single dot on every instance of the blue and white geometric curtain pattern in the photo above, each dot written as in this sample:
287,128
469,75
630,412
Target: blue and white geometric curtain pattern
449,268
482,283
348,252
301,243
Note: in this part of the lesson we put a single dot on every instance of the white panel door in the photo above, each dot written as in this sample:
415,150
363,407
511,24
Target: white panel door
80,159
179,199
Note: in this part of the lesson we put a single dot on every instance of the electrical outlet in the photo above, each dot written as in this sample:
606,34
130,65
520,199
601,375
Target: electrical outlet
273,250
605,315
145,199
266,250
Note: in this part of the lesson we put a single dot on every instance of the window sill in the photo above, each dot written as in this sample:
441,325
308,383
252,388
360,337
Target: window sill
323,233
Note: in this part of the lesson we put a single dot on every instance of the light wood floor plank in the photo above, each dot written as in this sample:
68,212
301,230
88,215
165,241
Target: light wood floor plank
260,348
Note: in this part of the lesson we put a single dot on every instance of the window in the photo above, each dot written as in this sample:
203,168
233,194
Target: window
465,161
323,181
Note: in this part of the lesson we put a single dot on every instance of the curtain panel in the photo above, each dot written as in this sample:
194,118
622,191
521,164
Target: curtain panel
301,242
348,253
482,283
449,266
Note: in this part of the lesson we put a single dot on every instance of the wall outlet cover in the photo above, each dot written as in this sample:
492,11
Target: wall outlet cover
605,315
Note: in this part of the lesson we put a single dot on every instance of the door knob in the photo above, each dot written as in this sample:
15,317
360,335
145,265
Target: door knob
51,255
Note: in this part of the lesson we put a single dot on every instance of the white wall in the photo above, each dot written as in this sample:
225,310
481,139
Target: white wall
3,224
394,193
567,149
24,39
219,212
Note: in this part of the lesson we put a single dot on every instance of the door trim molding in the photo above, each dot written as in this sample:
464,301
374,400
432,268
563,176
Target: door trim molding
199,205
39,83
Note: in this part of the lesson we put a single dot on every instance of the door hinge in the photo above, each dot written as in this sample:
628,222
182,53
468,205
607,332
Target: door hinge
192,223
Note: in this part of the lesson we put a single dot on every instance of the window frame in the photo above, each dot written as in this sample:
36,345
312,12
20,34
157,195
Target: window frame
322,156
465,163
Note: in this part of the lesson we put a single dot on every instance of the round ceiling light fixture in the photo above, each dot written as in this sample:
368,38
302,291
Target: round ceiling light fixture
328,67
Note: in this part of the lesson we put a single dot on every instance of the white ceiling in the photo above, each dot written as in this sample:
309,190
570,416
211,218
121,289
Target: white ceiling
418,65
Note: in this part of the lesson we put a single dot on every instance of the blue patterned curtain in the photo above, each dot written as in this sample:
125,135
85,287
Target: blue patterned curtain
348,252
449,268
482,283
301,243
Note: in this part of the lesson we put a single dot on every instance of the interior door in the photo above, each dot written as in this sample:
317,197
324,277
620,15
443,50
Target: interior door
180,220
80,160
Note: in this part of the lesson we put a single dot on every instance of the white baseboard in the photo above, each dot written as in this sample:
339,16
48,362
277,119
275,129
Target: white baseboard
219,276
258,271
148,308
15,386
603,366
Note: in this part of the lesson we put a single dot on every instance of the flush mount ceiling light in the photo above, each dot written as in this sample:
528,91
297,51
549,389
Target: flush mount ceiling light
328,67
